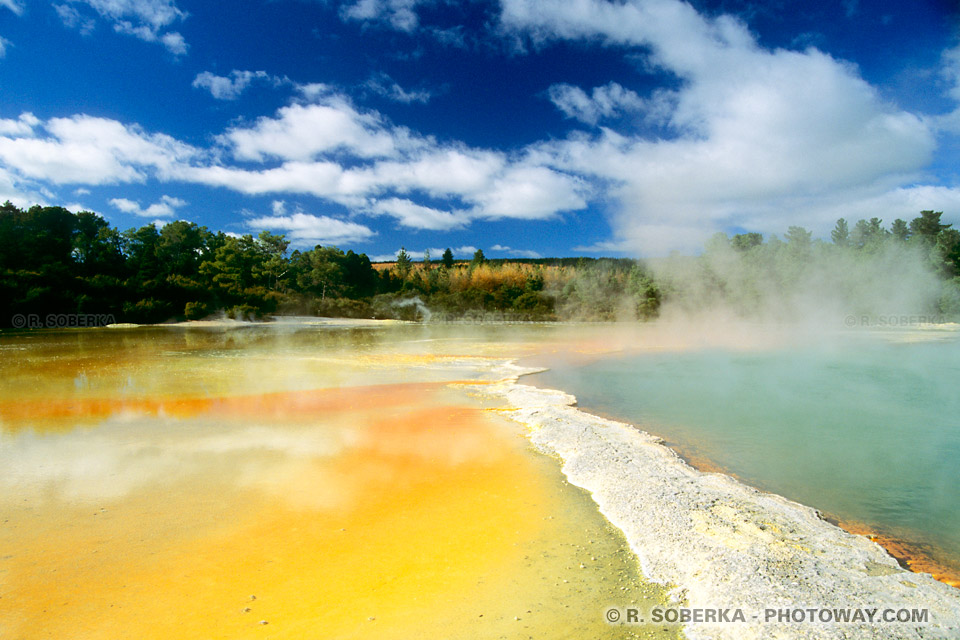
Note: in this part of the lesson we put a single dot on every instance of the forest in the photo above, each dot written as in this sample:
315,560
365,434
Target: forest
53,261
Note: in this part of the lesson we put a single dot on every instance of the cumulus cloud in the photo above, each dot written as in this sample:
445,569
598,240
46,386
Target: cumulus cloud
165,208
330,149
304,229
529,192
416,216
230,87
22,126
752,130
303,131
85,150
147,20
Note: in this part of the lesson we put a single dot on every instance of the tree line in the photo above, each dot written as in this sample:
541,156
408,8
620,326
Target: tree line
53,261
56,261
864,268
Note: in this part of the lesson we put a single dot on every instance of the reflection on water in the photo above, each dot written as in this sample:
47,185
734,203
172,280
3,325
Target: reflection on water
280,482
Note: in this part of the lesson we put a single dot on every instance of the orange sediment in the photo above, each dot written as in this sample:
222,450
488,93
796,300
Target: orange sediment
65,413
913,556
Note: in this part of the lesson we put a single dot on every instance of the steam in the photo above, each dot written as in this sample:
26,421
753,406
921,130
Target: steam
417,304
815,285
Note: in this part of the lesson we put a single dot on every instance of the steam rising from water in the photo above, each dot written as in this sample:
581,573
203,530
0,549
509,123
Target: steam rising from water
810,289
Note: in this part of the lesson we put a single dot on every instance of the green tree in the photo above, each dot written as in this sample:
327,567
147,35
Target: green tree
717,243
841,234
180,248
900,230
97,247
359,276
746,241
798,238
320,271
928,226
274,266
404,264
448,258
948,249
478,258
868,234
140,248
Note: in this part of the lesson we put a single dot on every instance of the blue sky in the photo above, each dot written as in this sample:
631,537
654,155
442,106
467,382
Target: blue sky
522,127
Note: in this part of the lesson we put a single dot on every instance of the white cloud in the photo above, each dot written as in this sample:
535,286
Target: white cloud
529,192
441,171
399,14
144,19
19,193
230,87
752,129
608,101
415,216
73,19
85,150
329,149
609,247
13,5
950,70
22,126
384,85
165,208
323,179
300,132
518,253
305,229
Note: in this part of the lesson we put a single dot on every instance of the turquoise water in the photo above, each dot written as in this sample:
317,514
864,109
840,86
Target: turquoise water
865,428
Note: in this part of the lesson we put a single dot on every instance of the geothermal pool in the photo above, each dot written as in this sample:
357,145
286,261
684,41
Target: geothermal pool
289,481
863,426
305,479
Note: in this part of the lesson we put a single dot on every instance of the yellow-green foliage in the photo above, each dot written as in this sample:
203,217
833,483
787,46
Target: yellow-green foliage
489,278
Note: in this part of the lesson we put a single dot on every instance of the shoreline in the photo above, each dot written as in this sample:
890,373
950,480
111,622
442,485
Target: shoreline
719,543
911,554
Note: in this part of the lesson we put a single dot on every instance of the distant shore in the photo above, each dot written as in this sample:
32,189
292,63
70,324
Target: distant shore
227,323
